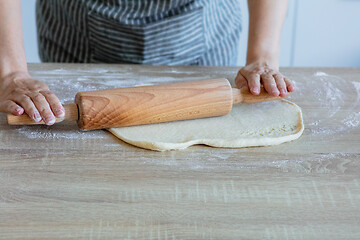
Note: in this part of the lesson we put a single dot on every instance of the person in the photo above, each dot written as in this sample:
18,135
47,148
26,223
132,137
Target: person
169,32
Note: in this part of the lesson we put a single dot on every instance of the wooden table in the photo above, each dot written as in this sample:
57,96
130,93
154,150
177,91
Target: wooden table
57,182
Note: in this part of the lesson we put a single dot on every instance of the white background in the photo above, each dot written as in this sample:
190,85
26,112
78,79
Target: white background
317,33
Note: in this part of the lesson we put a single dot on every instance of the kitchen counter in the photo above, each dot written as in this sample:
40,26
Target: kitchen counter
58,182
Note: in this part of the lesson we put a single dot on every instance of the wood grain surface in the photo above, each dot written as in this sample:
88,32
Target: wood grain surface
131,106
60,183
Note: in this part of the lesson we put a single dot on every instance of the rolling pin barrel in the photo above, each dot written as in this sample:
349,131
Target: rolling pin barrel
153,104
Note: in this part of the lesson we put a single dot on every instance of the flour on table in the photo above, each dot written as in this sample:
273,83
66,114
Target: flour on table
259,124
320,74
338,114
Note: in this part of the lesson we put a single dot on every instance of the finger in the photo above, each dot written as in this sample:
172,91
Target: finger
54,103
270,84
11,107
253,81
281,85
27,104
240,81
43,107
289,84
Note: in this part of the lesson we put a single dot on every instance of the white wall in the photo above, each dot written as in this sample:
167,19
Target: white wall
316,33
328,33
29,28
287,39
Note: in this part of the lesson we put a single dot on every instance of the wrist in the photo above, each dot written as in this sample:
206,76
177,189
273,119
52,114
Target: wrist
263,58
10,66
13,76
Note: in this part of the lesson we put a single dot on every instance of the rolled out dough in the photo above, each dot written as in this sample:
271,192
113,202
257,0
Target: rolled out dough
258,124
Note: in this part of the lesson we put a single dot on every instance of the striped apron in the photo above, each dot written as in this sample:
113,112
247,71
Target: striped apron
168,32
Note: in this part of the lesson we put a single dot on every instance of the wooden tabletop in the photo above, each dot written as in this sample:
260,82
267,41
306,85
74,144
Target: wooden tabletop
57,182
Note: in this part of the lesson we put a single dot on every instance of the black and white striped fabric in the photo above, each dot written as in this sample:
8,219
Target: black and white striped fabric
169,32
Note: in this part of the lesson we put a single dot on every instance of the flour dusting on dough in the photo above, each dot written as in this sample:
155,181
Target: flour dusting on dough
260,124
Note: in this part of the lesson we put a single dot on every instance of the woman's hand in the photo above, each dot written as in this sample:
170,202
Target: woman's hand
256,73
20,93
266,19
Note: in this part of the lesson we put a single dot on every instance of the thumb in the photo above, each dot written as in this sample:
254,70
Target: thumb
240,81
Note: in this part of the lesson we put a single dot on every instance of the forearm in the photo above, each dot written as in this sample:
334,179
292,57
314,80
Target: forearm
266,19
12,53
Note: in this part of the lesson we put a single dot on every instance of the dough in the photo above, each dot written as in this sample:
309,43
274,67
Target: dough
258,124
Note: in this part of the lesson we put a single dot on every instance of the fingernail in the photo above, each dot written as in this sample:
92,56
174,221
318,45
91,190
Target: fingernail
256,90
275,92
59,112
37,117
282,91
50,121
18,110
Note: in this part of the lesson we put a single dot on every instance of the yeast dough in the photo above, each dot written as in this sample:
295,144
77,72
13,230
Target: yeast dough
248,125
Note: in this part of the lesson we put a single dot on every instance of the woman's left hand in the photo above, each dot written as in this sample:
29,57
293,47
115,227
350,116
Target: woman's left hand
257,72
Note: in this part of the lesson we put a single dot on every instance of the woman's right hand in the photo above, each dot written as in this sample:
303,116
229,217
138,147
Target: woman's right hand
20,93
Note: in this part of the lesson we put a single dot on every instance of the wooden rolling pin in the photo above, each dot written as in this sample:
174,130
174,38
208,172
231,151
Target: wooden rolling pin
123,107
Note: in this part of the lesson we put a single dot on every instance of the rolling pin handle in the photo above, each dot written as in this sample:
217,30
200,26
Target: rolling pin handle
71,114
244,95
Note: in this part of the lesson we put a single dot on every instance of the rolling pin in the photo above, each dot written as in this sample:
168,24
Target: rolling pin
124,107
